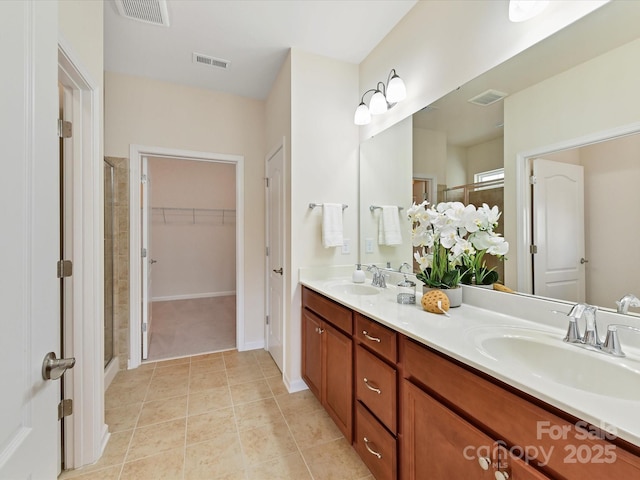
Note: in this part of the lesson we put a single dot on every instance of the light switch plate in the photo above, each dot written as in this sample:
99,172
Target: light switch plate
345,247
368,245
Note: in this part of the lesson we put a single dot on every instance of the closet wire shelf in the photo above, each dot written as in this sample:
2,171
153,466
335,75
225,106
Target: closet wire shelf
193,216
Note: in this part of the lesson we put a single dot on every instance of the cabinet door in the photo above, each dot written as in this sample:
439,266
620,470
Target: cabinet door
338,379
312,352
515,468
437,444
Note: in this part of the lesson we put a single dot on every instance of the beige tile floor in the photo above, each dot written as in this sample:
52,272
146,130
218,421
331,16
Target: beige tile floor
218,416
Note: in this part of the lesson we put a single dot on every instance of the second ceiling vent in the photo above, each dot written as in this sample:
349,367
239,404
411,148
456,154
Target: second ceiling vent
147,11
487,98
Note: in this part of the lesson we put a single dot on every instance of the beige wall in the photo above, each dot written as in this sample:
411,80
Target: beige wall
484,157
429,153
160,114
596,96
195,253
442,44
324,168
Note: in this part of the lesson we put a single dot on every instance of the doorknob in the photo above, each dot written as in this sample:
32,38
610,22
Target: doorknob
152,261
583,261
53,368
278,270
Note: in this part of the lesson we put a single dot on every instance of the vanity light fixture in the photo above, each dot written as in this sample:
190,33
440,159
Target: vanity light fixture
523,10
384,97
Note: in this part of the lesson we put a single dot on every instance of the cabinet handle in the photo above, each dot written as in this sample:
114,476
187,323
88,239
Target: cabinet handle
373,339
320,331
372,452
501,475
484,462
373,389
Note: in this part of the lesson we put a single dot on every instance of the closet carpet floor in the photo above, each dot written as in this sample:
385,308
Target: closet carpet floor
189,327
218,416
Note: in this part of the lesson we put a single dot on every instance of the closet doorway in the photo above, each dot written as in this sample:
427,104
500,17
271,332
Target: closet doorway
189,233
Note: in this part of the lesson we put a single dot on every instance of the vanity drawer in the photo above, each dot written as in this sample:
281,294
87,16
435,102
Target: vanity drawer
378,338
376,387
376,447
329,310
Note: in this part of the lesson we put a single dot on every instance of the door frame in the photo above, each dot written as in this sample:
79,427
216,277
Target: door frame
86,433
524,201
136,152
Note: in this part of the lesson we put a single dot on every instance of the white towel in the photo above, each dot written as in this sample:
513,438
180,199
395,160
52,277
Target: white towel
332,225
389,226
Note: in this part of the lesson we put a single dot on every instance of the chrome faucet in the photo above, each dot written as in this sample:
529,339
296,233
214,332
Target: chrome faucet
611,344
405,264
377,279
590,339
629,300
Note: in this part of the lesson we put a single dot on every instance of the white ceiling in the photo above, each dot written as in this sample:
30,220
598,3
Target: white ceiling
255,35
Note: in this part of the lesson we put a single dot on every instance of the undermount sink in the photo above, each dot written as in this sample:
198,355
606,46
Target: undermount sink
545,355
354,288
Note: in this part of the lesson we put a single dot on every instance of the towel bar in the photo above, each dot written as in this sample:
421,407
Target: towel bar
314,205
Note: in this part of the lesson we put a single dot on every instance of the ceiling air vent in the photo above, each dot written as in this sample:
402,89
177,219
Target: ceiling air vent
211,61
487,98
147,11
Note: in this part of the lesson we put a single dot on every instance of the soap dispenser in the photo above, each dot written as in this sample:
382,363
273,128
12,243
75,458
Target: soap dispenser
406,291
358,274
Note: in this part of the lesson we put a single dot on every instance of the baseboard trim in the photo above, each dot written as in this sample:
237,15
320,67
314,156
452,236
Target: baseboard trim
189,296
251,346
110,372
294,386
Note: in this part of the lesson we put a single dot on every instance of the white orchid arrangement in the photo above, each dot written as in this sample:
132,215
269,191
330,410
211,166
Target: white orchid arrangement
454,239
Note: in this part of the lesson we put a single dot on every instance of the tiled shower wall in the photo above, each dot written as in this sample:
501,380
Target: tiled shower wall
121,266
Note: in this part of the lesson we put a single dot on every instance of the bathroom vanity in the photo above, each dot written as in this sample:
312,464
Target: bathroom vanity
427,396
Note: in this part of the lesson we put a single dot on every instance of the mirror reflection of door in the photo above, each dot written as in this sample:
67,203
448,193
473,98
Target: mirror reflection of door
558,230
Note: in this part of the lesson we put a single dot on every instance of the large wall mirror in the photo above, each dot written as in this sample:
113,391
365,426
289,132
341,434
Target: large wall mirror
572,104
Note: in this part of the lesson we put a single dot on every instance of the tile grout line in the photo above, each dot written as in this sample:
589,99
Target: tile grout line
135,425
235,421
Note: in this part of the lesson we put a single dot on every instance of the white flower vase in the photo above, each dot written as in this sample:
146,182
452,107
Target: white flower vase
453,294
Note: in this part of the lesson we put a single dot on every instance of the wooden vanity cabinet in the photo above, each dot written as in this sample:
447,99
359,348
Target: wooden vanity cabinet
327,356
543,443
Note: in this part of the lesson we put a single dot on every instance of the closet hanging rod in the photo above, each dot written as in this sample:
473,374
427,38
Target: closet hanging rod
375,207
314,205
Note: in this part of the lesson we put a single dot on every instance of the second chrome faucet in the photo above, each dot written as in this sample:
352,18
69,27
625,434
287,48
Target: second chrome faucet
590,339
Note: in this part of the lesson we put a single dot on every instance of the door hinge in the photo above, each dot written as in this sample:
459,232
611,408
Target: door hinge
144,179
267,319
266,181
533,249
65,408
65,268
533,180
144,253
267,251
64,129
144,327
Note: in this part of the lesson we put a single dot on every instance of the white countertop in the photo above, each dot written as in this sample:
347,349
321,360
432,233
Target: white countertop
487,310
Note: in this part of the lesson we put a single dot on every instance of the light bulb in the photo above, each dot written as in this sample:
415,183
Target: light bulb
396,91
362,116
378,103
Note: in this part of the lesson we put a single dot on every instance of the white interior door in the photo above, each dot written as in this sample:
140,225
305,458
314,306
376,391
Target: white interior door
558,230
29,244
147,262
275,258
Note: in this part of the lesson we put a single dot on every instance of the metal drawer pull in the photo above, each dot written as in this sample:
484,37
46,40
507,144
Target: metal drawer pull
372,452
373,339
373,389
319,330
